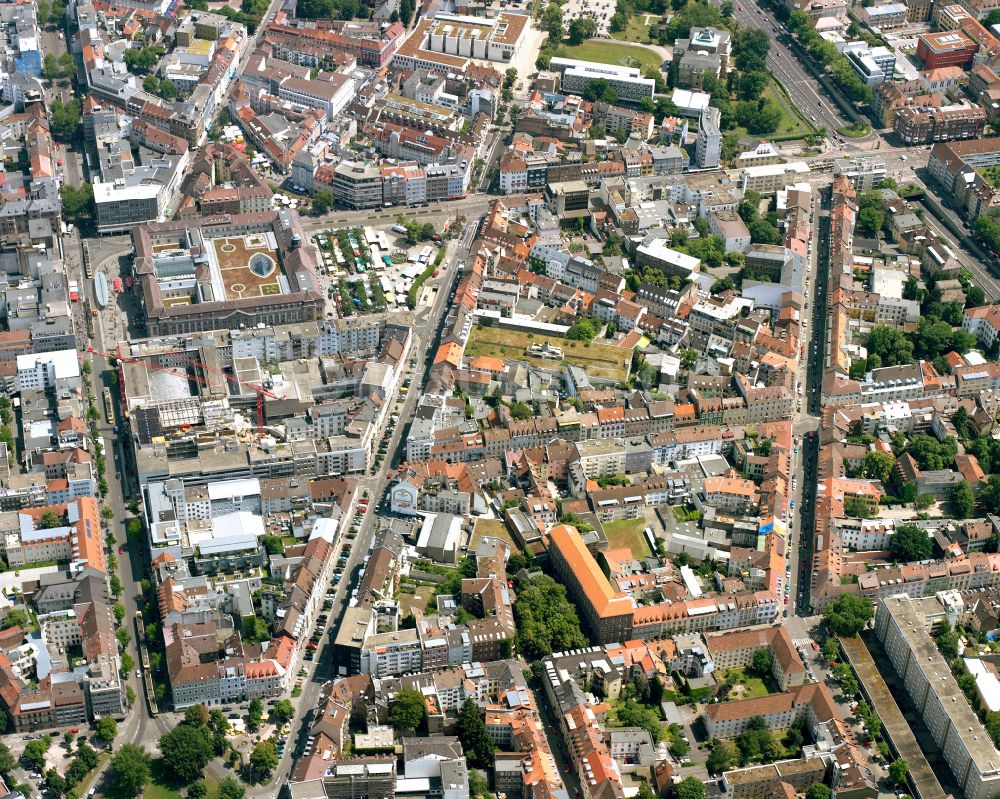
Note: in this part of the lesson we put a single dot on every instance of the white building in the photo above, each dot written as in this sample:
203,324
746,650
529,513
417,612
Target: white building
44,370
708,146
627,81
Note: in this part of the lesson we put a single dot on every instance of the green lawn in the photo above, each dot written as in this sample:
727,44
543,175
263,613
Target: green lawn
628,533
744,686
605,51
791,119
637,29
855,131
792,122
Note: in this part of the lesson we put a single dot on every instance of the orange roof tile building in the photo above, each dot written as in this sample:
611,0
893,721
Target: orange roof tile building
606,611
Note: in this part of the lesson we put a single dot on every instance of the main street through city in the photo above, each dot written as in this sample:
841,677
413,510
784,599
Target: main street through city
427,329
789,70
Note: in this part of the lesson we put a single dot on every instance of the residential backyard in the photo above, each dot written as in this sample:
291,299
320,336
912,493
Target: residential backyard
599,360
496,529
743,685
607,51
628,533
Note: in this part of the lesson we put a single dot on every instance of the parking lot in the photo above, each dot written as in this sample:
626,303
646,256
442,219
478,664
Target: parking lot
600,10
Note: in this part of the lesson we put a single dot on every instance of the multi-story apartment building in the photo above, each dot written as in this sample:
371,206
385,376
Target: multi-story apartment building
904,625
606,612
627,81
927,125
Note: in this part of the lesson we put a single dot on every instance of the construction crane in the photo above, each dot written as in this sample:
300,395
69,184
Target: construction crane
258,389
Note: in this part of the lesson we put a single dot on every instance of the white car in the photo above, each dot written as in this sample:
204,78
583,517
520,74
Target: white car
138,674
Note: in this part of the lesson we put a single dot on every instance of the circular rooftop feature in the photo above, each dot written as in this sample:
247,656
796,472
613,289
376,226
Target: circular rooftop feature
262,265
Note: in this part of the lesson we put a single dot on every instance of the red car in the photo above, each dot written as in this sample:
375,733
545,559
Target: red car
121,550
815,646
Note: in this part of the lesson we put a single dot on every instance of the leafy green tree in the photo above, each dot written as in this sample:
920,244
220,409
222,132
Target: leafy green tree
946,639
186,750
106,729
831,650
129,771
283,711
479,788
910,543
49,520
322,202
196,715
762,662
18,617
963,502
877,465
255,629
409,711
255,715
552,20
599,90
273,544
520,411
581,29
546,621
263,759
974,297
847,615
34,754
723,755
167,90
87,756
632,713
581,330
690,788
475,738
7,761
750,49
818,791
197,790
55,783
870,221
898,772
64,119
77,201
849,685
752,85
50,67
962,422
229,788
122,636
890,344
